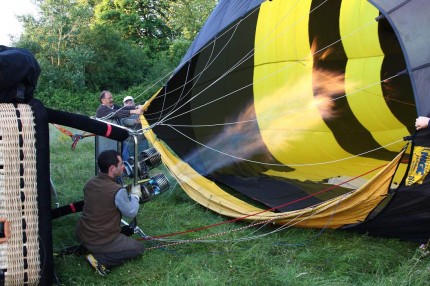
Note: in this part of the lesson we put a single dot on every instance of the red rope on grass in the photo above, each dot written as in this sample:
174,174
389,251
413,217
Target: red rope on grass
263,211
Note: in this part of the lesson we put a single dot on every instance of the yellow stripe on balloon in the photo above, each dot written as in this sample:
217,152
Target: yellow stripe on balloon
363,73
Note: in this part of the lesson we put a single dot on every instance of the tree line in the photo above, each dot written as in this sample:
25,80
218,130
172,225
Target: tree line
125,46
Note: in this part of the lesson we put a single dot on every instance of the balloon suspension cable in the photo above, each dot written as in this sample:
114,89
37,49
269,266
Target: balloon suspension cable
246,57
140,95
264,42
171,115
208,63
280,216
298,219
283,165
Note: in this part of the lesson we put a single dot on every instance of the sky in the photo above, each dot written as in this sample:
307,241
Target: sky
8,22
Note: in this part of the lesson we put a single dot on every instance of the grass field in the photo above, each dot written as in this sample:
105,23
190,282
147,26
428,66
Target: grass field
230,254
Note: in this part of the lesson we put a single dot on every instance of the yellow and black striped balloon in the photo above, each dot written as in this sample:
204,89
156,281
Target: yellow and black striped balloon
287,105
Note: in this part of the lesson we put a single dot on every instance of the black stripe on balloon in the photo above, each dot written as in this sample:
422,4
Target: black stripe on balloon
397,91
324,30
213,78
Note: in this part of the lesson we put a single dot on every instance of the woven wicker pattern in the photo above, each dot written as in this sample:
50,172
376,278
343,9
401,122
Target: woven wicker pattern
18,195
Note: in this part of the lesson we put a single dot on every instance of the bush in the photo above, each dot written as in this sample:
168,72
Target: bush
84,103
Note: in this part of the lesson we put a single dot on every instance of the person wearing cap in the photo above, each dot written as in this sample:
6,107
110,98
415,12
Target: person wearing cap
133,122
109,110
128,101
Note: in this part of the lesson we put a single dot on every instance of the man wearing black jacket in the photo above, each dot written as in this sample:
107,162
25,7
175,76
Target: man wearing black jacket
109,110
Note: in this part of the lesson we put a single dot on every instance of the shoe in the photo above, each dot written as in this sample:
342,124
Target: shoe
100,268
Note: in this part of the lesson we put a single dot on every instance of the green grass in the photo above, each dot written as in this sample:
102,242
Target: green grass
291,256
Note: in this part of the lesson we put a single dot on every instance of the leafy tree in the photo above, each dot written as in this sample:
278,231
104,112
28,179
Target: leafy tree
117,64
58,27
143,22
53,39
186,17
84,46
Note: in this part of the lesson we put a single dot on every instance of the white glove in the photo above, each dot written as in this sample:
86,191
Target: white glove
136,192
422,122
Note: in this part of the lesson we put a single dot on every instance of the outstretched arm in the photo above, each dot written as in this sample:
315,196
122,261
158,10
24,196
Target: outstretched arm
85,123
121,112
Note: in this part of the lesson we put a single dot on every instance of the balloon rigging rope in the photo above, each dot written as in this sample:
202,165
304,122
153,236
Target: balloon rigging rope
311,208
212,44
210,61
265,116
204,239
140,95
246,57
241,61
277,164
206,65
249,55
292,222
262,224
271,116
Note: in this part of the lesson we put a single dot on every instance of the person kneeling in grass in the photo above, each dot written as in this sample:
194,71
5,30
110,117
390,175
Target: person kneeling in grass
105,202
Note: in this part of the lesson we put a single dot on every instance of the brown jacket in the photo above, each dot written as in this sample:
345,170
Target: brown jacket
100,219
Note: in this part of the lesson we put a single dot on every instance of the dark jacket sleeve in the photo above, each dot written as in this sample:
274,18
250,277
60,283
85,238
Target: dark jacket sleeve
117,112
85,123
